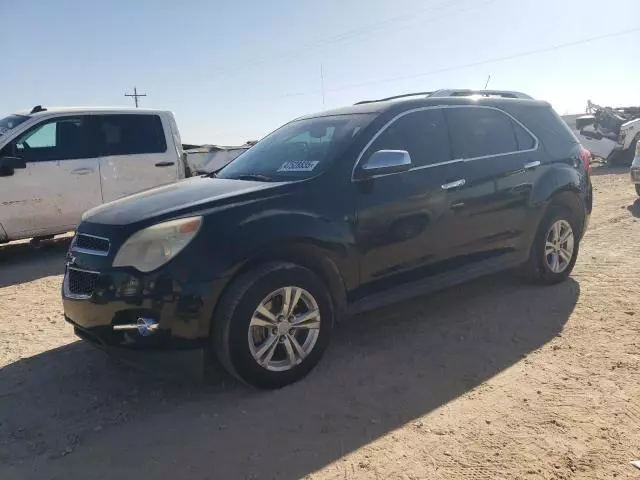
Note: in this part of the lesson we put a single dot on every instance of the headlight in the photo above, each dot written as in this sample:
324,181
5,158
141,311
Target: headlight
154,246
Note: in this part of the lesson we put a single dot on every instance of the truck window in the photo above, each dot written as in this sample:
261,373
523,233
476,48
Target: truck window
130,134
64,138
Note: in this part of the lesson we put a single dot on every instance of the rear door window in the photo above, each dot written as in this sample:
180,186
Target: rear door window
130,134
480,132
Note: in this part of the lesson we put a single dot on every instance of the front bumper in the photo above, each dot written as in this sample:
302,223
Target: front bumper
100,304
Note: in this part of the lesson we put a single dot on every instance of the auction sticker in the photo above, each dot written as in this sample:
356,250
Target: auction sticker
298,166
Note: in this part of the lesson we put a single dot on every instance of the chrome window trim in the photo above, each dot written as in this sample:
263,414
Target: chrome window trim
438,164
65,284
89,251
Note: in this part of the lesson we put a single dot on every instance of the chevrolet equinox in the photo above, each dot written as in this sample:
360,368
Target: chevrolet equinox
332,214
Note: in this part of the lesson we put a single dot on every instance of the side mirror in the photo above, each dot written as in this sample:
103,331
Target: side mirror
585,121
386,161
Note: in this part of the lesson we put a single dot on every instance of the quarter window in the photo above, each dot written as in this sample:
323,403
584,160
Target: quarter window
423,134
479,132
130,134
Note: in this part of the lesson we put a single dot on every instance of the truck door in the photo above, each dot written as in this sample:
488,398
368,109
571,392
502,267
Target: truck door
61,179
134,154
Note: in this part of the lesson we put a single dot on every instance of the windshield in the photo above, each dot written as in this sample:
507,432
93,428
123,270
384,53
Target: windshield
12,121
298,150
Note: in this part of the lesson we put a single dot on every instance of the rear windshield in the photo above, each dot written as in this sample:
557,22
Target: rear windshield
298,150
10,122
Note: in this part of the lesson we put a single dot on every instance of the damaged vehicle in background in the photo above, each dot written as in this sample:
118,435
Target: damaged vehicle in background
619,128
635,169
211,158
57,163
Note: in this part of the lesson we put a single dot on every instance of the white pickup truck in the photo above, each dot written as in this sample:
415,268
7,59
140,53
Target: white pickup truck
57,163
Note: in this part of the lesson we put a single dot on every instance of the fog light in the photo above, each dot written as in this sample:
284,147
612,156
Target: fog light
147,326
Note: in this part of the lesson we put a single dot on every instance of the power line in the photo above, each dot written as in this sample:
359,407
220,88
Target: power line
469,65
361,32
485,62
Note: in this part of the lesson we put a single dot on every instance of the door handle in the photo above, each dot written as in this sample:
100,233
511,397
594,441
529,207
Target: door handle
165,164
531,165
82,171
456,184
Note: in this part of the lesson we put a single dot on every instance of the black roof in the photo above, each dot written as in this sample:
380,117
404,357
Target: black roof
410,103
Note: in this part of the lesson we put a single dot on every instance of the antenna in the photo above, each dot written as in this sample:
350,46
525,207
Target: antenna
487,82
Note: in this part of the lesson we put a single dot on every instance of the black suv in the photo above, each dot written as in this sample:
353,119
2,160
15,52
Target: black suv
333,213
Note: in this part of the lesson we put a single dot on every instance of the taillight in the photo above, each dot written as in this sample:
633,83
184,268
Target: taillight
585,156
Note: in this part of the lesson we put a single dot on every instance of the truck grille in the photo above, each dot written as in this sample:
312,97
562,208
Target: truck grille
80,283
91,244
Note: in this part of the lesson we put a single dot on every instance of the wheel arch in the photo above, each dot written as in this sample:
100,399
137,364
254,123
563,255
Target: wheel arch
305,253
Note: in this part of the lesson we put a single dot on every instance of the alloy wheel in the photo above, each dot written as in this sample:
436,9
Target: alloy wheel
284,328
559,246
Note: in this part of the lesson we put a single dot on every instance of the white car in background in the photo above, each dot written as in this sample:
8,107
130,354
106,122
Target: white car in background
635,169
57,163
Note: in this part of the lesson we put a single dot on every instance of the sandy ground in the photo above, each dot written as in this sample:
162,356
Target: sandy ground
492,379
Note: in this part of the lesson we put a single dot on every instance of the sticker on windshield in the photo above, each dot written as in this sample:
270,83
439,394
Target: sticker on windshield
298,166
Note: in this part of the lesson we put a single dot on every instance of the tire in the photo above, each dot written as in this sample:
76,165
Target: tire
237,340
537,268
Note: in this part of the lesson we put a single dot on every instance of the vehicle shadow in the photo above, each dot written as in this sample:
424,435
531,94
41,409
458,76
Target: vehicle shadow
73,412
635,208
20,263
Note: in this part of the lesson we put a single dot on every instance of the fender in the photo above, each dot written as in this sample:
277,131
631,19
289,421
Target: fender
265,231
561,184
561,177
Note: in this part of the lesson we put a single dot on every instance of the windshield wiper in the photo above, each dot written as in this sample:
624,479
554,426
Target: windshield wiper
253,176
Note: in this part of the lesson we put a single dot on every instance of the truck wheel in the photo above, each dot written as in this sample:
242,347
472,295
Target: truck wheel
555,248
273,325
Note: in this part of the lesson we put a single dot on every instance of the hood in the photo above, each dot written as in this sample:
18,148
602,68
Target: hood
190,194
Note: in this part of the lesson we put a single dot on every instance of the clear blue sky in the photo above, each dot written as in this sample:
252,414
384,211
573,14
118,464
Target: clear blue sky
233,71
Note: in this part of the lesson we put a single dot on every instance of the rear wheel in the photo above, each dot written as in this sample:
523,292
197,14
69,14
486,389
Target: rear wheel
555,248
274,325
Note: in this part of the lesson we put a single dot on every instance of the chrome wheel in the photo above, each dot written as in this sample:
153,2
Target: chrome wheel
284,328
559,246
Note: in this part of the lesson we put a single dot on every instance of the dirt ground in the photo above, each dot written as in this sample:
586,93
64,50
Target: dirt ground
492,379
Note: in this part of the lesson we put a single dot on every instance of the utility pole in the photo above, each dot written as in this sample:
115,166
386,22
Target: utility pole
135,95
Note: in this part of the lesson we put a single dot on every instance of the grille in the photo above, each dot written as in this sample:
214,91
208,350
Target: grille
81,283
96,245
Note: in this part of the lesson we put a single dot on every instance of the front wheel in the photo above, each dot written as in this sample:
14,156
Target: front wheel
274,325
555,248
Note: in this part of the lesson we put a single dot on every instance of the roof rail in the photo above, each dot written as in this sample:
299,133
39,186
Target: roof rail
425,94
482,93
38,108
